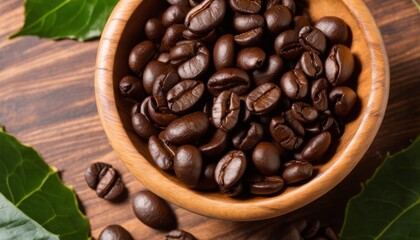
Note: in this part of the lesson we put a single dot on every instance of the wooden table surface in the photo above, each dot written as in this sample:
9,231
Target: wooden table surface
47,101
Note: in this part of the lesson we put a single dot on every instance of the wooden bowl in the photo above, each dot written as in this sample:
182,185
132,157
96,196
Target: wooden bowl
124,30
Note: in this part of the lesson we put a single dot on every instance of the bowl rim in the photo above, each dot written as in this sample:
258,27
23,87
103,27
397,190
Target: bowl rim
269,207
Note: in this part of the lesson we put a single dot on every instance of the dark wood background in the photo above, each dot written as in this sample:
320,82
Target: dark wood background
47,101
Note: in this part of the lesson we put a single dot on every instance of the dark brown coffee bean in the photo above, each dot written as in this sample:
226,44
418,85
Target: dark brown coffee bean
343,99
266,186
161,116
95,172
142,126
296,171
230,168
296,126
284,135
187,129
244,22
209,37
304,112
311,64
153,211
290,4
161,86
266,158
152,71
334,28
164,58
277,18
110,185
316,147
233,191
197,64
287,45
245,139
250,38
175,14
294,84
311,230
114,232
154,30
173,34
312,40
216,145
179,235
132,87
185,95
249,59
319,94
269,72
188,164
263,98
205,16
225,111
245,6
161,153
232,79
207,181
140,55
300,22
339,65
224,52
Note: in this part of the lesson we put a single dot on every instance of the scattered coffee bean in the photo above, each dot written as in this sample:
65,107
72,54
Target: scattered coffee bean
179,235
114,232
105,180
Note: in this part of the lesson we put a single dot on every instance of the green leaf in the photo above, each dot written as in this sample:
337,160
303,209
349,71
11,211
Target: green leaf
389,205
76,19
33,199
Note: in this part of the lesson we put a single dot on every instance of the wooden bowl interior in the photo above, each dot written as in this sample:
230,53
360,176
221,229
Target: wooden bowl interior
125,29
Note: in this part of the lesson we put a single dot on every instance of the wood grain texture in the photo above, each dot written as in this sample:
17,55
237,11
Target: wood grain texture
47,100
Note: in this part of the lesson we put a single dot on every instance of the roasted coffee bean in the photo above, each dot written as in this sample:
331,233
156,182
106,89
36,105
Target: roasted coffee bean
246,139
187,129
287,45
300,22
250,38
197,64
224,52
207,108
312,40
225,111
161,116
232,79
249,59
207,181
266,186
343,98
105,180
188,165
202,37
266,158
296,171
95,172
140,55
316,147
304,112
277,18
179,235
245,115
173,34
319,91
311,230
175,14
245,6
185,95
217,144
154,30
294,124
152,71
270,3
164,57
334,28
284,135
339,65
205,16
230,168
142,126
311,65
244,22
294,84
269,72
114,232
153,211
132,87
161,86
263,98
233,191
290,4
162,153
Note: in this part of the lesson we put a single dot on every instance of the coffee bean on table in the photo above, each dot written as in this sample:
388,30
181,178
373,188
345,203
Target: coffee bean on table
225,111
244,22
154,30
224,52
185,95
153,211
339,65
105,180
277,18
316,147
311,65
230,168
312,40
269,72
245,139
245,6
179,235
287,45
296,171
232,79
132,87
343,99
249,59
294,84
114,232
205,16
334,28
266,158
141,54
263,98
188,165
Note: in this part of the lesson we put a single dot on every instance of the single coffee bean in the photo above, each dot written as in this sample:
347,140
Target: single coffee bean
95,172
245,6
311,230
245,139
197,64
179,235
287,45
185,95
266,186
217,144
142,126
319,94
277,18
152,71
284,135
294,84
207,181
153,211
304,112
110,185
114,232
205,16
249,59
290,4
161,86
230,168
250,38
224,52
294,124
154,30
232,191
343,99
232,79
269,72
141,54
263,98
334,28
187,129
300,22
188,164
244,22
339,65
266,158
173,34
161,116
311,65
296,171
175,14
312,40
316,147
162,153
132,87
225,111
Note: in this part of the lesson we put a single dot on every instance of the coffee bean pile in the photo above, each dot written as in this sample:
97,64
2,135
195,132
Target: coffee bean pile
242,96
